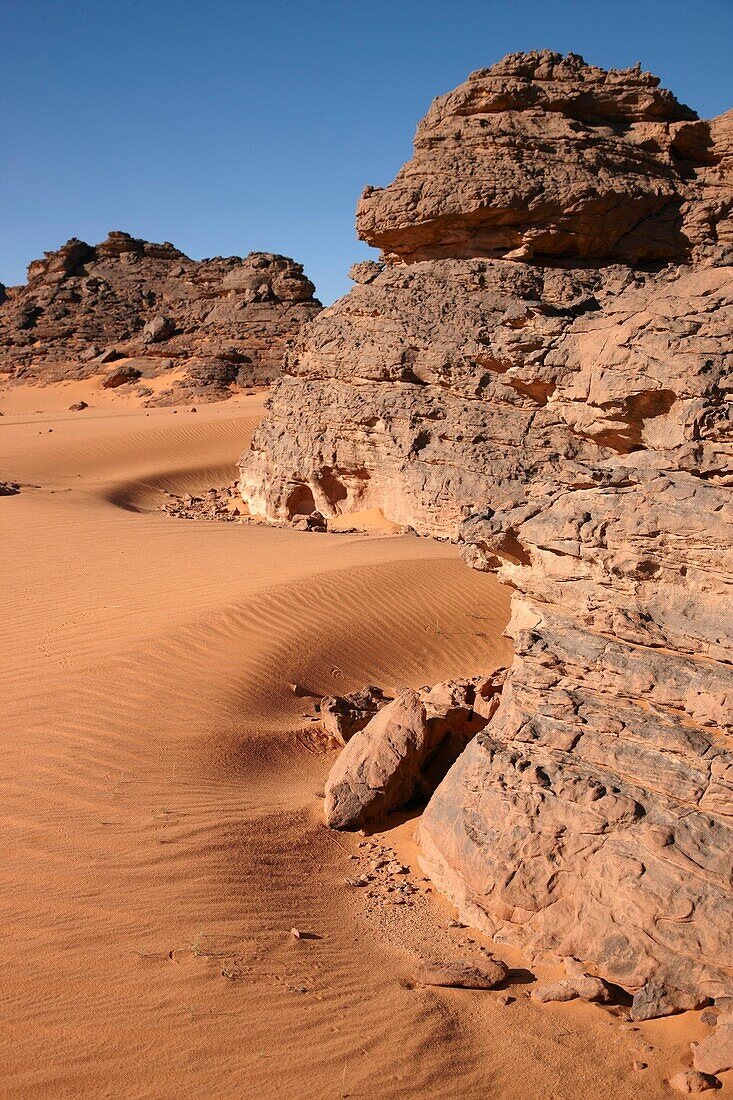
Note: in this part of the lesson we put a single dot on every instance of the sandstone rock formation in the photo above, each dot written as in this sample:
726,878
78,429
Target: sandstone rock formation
541,369
545,156
202,324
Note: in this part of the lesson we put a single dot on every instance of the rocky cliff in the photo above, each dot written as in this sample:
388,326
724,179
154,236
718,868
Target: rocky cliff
540,368
202,324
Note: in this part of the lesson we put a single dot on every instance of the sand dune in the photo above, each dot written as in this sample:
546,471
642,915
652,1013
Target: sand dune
160,811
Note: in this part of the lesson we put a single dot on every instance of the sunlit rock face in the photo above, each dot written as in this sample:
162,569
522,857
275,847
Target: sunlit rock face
540,369
543,155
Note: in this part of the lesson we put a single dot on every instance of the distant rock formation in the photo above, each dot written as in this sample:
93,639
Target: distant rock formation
541,369
202,325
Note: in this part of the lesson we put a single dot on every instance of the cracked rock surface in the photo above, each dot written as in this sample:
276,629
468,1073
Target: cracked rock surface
540,368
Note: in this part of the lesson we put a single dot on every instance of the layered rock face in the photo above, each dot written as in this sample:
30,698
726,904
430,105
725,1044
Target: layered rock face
541,369
206,324
544,155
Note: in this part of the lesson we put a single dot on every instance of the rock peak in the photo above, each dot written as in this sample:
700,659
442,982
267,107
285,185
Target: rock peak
544,155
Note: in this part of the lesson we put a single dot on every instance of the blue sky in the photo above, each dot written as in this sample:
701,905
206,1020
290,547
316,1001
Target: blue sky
228,126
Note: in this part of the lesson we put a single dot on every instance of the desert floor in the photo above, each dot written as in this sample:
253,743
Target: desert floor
159,794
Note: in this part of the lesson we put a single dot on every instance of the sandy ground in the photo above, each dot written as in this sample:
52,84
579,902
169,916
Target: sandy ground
159,795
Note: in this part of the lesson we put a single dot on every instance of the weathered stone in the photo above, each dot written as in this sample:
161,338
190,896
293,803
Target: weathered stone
486,975
379,769
655,999
554,991
118,376
406,748
543,155
220,321
582,986
521,378
158,328
344,715
689,1081
715,1053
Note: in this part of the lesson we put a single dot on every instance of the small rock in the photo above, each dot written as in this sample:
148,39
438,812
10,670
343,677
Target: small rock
655,999
119,376
689,1080
583,986
488,975
640,1065
78,406
554,991
296,933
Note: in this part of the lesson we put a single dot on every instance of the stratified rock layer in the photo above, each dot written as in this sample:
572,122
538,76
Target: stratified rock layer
514,378
202,324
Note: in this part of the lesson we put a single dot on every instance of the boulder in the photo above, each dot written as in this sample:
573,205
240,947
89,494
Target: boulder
120,375
656,999
405,749
715,1053
688,1081
379,769
158,328
313,522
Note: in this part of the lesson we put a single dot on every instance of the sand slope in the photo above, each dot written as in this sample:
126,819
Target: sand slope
159,795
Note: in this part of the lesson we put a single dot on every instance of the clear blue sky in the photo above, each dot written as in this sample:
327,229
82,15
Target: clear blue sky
228,125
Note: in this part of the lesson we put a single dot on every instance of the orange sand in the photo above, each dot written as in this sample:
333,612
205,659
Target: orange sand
159,793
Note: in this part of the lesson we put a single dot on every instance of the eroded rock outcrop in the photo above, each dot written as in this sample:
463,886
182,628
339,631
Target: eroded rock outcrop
541,369
201,325
543,155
